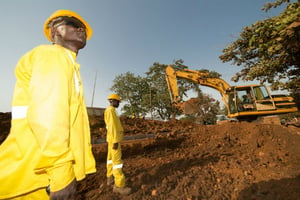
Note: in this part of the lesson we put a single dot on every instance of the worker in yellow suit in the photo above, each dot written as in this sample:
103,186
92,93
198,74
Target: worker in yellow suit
49,143
114,154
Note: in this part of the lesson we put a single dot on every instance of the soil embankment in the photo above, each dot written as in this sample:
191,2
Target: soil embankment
234,161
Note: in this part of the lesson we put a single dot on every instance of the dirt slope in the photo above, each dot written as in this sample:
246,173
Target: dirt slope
238,161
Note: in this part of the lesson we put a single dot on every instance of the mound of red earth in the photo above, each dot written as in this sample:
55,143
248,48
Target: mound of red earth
182,160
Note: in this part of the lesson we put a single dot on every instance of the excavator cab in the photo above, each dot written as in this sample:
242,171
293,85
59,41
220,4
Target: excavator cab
250,98
253,100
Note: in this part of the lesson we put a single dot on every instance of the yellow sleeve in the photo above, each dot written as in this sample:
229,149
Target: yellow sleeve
48,111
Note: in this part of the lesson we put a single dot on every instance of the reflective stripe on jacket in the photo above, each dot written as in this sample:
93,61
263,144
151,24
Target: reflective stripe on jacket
113,125
49,127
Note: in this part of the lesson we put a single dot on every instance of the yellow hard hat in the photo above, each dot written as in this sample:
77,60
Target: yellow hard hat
114,96
65,13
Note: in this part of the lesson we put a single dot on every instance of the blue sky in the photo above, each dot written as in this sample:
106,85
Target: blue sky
130,35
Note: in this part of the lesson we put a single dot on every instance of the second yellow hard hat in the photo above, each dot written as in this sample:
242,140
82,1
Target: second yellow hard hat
114,96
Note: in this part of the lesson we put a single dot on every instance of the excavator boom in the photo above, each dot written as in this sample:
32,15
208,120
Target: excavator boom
197,77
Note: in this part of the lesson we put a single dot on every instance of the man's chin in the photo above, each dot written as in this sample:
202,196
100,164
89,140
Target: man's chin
81,44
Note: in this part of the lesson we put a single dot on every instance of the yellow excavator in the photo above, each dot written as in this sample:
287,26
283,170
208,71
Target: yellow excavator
245,102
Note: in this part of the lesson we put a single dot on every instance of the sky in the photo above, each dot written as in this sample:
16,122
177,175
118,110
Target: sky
129,36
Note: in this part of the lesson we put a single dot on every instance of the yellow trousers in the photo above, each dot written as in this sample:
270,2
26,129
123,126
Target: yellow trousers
114,165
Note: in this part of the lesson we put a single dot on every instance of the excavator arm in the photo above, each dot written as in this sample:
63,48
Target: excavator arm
197,77
172,84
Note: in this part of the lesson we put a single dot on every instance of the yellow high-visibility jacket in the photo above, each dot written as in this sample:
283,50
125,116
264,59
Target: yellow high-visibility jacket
113,125
49,140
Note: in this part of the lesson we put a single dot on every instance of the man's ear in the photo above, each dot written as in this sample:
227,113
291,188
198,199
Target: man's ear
54,31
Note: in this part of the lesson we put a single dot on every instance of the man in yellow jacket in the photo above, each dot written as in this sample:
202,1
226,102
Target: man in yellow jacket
49,142
114,155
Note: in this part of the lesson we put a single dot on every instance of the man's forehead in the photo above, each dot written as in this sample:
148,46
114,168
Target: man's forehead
65,18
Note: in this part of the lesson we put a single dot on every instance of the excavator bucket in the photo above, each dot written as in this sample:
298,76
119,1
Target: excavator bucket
190,106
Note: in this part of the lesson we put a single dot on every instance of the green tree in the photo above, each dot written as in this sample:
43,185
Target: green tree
130,88
269,50
208,110
160,97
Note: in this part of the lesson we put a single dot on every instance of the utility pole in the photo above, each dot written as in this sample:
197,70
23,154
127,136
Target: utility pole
150,101
94,89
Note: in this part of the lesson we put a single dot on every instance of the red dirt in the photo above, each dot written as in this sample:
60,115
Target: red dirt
234,161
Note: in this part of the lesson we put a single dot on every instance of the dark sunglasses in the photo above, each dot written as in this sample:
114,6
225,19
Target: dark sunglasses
75,24
70,22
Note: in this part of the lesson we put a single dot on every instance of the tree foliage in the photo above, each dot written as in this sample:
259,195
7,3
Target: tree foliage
161,102
158,103
269,50
130,88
